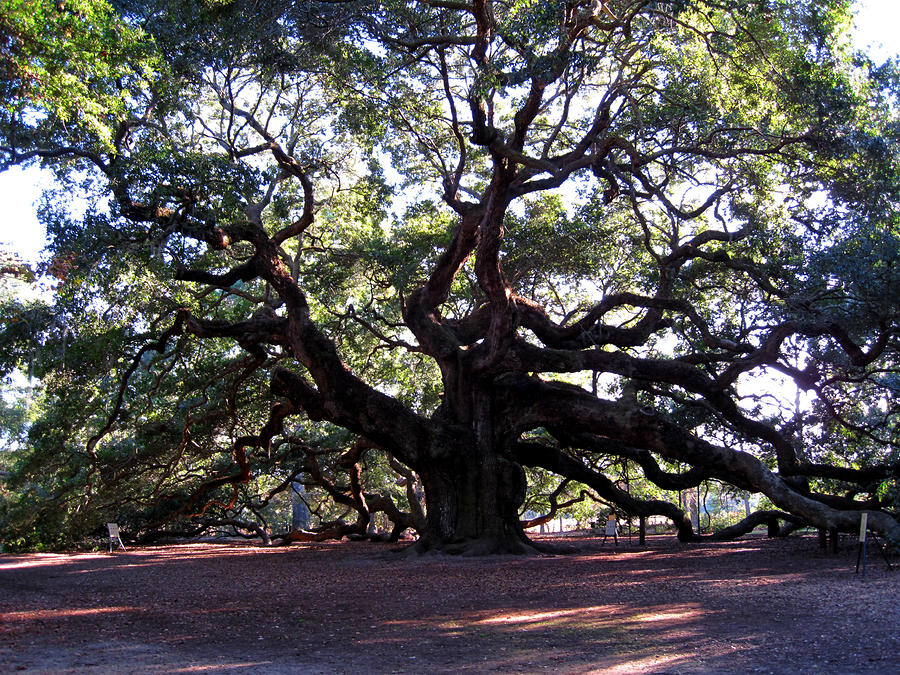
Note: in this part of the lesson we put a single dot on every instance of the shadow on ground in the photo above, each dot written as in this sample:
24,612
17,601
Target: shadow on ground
754,606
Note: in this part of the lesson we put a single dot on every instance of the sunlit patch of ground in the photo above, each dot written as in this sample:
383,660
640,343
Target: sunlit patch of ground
11,562
43,615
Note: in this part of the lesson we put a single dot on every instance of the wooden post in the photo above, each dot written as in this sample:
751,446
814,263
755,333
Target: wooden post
861,548
823,538
642,531
833,540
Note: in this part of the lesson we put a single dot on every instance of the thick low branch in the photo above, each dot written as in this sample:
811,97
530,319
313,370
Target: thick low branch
244,272
553,459
556,506
332,531
364,411
273,426
678,373
589,331
547,403
402,521
258,330
753,521
651,468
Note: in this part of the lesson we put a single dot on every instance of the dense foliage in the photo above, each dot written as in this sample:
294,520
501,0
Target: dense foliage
443,262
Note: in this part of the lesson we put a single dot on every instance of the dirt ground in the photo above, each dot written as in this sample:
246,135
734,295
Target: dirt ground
752,606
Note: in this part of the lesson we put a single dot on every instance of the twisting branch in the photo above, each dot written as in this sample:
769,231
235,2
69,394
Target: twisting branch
553,459
158,346
555,506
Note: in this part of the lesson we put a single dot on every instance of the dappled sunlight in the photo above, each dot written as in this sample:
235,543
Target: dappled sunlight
649,664
629,575
589,619
69,613
547,616
46,559
217,667
710,567
596,615
199,551
638,611
729,551
575,659
609,638
196,551
666,615
612,555
139,557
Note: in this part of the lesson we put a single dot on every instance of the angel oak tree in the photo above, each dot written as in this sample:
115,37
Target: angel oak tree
588,225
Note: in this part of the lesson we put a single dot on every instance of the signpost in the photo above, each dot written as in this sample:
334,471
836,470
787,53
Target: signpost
861,548
863,541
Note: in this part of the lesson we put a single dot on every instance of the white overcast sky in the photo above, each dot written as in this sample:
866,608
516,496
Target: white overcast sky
878,23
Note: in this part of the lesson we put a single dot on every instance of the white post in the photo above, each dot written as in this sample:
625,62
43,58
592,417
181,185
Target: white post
861,547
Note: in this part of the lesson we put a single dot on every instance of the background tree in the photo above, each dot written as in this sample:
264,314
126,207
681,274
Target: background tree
480,238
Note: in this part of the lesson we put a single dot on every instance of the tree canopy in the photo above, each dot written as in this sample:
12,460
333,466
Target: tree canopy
425,257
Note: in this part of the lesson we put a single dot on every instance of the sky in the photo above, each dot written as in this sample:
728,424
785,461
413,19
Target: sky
878,23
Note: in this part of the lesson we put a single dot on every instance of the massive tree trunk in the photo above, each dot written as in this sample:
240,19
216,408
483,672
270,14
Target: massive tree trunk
474,490
472,504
